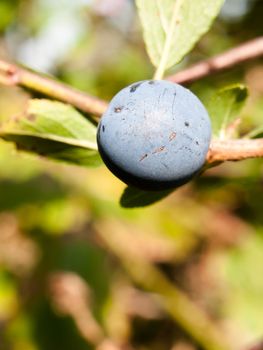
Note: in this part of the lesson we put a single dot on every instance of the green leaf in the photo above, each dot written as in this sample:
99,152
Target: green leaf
133,197
172,27
54,130
224,107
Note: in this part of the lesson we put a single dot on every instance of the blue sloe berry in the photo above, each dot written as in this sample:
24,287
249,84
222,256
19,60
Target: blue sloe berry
154,135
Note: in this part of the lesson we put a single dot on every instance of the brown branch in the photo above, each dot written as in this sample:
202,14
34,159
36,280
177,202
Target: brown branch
220,151
12,75
231,150
228,59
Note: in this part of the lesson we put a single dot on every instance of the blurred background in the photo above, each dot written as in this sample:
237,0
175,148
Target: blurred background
67,248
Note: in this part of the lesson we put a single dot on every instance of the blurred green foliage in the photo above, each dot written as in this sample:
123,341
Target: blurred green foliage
58,276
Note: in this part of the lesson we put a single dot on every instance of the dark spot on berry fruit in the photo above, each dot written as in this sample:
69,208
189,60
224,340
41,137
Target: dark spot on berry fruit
134,87
118,109
143,157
